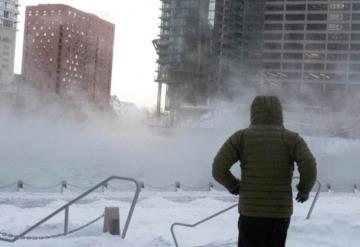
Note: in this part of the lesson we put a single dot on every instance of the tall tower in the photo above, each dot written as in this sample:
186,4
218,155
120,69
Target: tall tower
184,47
68,52
8,23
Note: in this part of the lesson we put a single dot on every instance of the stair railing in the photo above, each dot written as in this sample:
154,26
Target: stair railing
172,228
65,208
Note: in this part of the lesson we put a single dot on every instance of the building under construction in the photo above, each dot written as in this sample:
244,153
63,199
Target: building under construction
237,45
202,48
184,49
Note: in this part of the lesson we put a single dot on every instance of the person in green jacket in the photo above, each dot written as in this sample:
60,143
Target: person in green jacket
267,152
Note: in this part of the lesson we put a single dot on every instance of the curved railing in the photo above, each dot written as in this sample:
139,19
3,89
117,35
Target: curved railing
65,208
172,228
315,198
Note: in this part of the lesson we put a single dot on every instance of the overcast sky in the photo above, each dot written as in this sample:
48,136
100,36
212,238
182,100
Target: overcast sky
134,64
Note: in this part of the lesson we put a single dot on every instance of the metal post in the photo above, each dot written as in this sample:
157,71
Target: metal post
104,187
177,186
211,186
158,106
132,208
20,185
112,221
315,198
63,186
142,185
67,205
314,201
66,222
329,187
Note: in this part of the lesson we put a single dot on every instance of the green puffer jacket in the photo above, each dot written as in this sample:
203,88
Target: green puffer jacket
267,153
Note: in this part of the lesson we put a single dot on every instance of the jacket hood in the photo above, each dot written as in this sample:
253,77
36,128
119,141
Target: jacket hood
266,110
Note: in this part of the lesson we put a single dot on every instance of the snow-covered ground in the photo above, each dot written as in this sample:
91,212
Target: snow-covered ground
335,220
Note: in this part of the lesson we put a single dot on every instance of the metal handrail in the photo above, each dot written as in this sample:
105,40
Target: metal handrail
172,228
315,198
66,209
198,223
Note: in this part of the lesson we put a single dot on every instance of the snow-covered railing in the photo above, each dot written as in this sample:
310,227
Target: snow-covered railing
65,208
172,228
63,186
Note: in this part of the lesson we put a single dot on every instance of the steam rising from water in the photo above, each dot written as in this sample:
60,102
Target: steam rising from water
43,151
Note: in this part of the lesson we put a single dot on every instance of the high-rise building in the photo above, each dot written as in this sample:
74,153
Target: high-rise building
312,46
68,52
294,48
184,49
309,50
8,23
228,36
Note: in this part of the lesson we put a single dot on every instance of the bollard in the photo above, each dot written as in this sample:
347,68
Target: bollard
177,186
19,185
104,187
329,187
211,186
112,220
63,186
142,185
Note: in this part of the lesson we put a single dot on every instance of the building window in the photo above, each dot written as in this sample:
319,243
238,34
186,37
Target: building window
270,27
274,17
314,66
272,46
314,7
295,17
317,17
339,6
337,27
295,56
314,56
292,66
270,8
315,46
293,46
338,47
338,36
337,56
316,36
294,36
316,26
295,7
291,27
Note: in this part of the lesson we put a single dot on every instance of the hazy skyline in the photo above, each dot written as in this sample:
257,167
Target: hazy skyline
134,62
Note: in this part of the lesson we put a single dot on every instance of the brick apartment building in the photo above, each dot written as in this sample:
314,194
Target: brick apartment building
68,52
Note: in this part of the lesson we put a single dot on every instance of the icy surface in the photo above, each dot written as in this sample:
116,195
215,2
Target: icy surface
335,221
